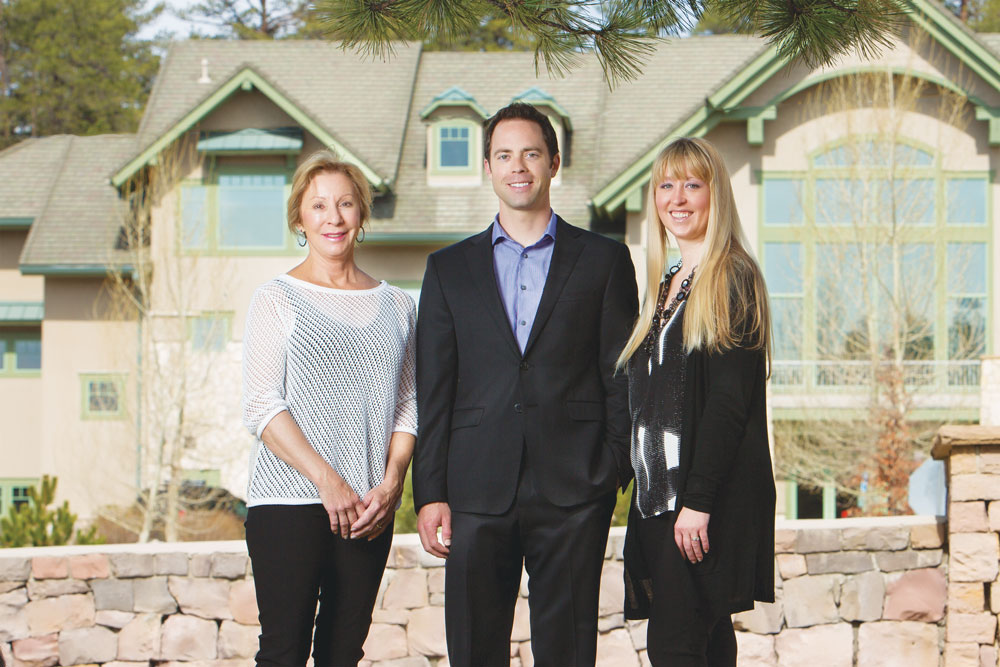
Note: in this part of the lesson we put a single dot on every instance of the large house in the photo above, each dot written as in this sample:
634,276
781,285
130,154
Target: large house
867,190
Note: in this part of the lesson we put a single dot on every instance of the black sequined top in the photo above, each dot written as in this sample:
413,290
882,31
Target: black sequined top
656,392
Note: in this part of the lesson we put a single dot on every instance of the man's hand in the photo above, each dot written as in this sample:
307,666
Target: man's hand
431,517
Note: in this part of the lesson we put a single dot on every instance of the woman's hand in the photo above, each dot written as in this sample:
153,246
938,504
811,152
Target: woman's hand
380,509
340,502
691,534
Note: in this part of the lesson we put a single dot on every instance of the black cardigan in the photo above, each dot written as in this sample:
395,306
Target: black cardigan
725,470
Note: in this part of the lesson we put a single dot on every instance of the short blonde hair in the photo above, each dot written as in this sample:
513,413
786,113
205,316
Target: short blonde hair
326,162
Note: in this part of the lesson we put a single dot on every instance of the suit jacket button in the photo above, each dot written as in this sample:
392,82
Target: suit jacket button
525,365
517,408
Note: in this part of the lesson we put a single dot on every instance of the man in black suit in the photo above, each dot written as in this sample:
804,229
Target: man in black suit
524,425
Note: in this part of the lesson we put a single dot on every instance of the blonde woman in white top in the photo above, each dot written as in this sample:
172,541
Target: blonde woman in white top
329,391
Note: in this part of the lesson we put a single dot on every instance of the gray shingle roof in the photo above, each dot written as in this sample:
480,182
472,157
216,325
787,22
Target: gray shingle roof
27,171
80,222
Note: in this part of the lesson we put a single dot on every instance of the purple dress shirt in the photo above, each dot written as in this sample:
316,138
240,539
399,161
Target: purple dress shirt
520,274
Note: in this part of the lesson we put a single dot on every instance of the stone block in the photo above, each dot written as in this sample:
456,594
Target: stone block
67,612
435,581
427,560
615,649
229,566
766,618
385,642
800,647
8,586
407,590
928,535
973,556
812,600
876,538
404,556
39,651
967,517
791,565
391,616
15,569
974,487
637,631
964,462
917,595
140,638
151,595
612,597
755,650
894,561
207,598
15,599
112,594
610,622
898,644
238,641
126,566
995,597
967,598
6,656
49,567
784,541
847,562
524,653
425,632
616,547
112,618
989,460
862,597
50,588
188,638
815,540
980,628
961,654
988,656
414,661
89,566
200,565
87,645
170,563
993,516
521,629
436,600
243,602
13,625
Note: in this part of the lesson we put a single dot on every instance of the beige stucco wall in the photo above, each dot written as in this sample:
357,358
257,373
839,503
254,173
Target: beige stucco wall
13,285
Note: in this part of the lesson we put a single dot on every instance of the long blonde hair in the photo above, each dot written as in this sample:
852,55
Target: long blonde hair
727,305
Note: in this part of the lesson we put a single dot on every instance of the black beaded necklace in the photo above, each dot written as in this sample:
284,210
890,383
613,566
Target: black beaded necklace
665,311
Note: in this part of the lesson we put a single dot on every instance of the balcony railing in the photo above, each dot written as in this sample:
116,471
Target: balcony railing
923,376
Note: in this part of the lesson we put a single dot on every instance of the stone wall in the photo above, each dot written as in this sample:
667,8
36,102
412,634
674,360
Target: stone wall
865,592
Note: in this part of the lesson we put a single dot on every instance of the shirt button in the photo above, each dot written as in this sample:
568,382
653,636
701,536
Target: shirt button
524,287
524,256
517,408
523,323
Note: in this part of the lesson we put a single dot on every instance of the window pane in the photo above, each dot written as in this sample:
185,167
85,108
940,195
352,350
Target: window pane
915,301
967,268
454,147
839,201
966,201
841,314
786,321
251,211
102,396
209,332
19,495
28,353
966,328
912,200
783,201
194,225
869,153
783,267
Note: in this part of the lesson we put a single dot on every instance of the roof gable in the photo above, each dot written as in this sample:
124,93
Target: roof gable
454,97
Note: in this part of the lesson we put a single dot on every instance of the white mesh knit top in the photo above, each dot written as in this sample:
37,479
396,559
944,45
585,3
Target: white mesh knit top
342,362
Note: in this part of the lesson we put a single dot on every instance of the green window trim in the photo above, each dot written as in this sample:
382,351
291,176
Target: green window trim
19,348
14,490
216,336
106,388
453,131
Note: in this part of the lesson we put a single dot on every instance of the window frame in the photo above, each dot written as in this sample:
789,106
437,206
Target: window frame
225,316
90,415
440,175
7,486
8,356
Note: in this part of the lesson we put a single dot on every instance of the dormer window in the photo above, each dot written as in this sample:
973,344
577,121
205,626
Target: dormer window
454,139
454,147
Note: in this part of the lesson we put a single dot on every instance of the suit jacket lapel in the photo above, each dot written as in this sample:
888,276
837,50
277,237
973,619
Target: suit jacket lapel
479,255
564,255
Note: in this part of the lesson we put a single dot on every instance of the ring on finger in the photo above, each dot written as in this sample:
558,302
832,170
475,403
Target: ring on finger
696,539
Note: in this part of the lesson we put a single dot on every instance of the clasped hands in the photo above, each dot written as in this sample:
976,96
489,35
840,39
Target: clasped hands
354,518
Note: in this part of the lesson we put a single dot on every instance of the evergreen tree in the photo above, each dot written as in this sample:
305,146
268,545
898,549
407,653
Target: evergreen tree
72,66
33,524
493,33
255,19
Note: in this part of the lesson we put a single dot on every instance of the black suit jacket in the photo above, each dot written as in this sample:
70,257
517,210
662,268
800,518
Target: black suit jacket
482,403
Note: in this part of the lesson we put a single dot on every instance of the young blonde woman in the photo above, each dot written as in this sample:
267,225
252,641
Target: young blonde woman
700,542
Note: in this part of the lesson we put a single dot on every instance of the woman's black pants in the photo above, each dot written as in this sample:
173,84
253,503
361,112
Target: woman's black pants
681,632
296,562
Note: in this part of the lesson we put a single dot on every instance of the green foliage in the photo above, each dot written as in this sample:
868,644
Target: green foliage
620,33
255,19
406,519
492,33
714,21
72,66
35,524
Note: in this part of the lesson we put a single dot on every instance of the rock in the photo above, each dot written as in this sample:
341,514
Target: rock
812,600
13,624
243,602
968,517
898,644
45,567
391,616
521,629
615,649
980,628
207,598
755,650
973,556
961,654
610,622
791,565
170,563
612,595
876,538
200,565
50,588
435,581
188,638
973,487
89,566
112,618
987,656
927,536
229,566
637,631
140,638
846,562
112,594
862,596
385,642
40,651
802,647
766,618
993,515
238,641
404,556
967,598
15,569
151,595
126,566
87,645
60,614
525,654
407,590
814,540
963,462
784,541
893,561
425,632
8,586
918,595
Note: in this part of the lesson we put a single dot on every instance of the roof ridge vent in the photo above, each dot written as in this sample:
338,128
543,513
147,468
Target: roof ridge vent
204,72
